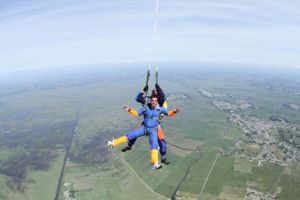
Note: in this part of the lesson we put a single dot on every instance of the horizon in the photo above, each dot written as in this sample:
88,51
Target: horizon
168,69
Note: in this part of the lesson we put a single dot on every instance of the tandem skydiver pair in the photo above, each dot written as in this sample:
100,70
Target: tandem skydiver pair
152,112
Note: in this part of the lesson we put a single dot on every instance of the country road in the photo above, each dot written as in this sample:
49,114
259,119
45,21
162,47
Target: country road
68,146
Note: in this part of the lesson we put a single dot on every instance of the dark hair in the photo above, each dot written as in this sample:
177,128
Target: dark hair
154,96
154,92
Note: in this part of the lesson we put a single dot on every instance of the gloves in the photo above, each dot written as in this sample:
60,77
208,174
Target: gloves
176,110
157,86
146,88
127,108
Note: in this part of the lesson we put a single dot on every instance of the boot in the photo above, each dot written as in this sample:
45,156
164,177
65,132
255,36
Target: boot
156,166
165,160
110,143
127,148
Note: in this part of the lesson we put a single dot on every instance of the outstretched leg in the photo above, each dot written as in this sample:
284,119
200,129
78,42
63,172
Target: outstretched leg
129,145
129,136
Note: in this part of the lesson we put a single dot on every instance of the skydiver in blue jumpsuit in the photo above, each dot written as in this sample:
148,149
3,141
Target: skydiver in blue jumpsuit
151,114
161,138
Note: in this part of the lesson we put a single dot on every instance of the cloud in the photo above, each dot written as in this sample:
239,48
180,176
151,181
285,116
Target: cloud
63,32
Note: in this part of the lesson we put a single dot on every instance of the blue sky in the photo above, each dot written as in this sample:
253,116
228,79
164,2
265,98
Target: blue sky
36,33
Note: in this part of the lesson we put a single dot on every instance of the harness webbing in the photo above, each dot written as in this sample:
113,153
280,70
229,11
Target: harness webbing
156,75
147,84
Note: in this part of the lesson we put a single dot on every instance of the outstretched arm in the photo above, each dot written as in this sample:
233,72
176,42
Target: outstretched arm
171,113
132,111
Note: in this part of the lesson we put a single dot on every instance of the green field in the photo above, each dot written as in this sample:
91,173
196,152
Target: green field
46,119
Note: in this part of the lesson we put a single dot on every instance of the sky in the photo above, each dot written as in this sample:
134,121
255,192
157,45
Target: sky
40,33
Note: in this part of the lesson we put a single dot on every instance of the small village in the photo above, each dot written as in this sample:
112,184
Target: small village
253,194
68,193
274,141
265,134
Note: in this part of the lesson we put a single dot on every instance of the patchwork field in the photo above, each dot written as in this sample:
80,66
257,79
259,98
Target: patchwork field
59,127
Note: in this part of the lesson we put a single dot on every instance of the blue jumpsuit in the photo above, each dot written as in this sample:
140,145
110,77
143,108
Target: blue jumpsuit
149,126
161,99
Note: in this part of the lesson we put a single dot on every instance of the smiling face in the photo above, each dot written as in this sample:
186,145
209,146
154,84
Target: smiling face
153,102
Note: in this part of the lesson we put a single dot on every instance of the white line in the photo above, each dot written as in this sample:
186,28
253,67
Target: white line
208,175
154,39
142,181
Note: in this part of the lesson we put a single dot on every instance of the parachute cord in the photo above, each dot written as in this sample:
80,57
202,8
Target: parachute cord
152,51
154,39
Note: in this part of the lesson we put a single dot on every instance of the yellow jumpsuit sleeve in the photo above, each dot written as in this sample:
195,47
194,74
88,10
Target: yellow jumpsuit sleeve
133,112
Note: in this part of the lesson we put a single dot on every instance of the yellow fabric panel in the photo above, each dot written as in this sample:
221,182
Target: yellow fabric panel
154,156
120,140
133,113
165,105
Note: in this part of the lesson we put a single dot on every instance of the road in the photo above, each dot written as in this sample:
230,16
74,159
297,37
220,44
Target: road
68,146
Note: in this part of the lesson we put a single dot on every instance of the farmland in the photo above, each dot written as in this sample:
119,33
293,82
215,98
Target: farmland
53,131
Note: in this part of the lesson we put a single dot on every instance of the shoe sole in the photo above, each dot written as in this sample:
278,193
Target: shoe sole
124,150
110,146
158,167
166,163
